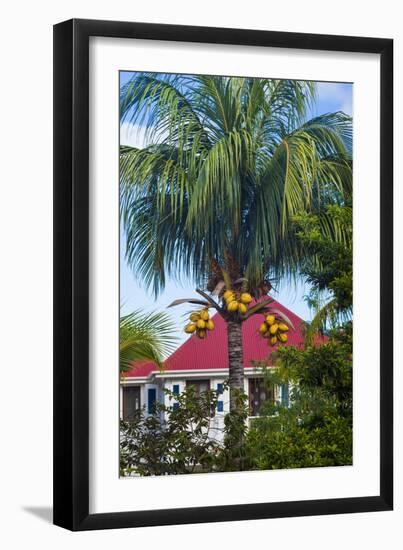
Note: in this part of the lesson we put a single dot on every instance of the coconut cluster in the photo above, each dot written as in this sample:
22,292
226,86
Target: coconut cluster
237,301
200,323
274,330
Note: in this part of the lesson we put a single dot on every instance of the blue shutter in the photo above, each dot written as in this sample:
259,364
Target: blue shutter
219,389
152,397
175,389
175,406
284,394
220,406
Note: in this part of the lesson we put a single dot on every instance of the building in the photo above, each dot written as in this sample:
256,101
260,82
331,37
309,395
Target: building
204,364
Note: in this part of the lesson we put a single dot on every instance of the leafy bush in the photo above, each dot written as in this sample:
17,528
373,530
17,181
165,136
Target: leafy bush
316,428
179,439
180,444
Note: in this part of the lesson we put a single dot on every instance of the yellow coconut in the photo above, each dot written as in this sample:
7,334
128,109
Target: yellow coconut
233,306
190,328
201,324
263,328
204,314
246,298
194,317
201,334
210,325
228,294
283,327
270,319
273,328
273,340
282,337
242,308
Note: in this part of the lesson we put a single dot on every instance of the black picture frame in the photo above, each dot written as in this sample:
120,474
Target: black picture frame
71,274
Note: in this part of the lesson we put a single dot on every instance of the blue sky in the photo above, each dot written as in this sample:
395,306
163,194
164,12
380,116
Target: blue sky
331,97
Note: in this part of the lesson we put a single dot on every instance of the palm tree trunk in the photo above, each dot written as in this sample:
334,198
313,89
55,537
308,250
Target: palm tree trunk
235,361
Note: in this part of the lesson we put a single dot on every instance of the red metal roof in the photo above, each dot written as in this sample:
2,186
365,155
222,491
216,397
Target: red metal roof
211,353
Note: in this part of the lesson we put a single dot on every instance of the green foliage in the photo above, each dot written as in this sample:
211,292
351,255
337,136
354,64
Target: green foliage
316,428
145,337
232,455
180,439
227,163
181,444
328,266
329,444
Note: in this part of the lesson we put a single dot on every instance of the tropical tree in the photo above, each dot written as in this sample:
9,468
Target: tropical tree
227,163
144,337
328,265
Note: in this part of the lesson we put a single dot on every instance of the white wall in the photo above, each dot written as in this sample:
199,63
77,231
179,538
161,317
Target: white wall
25,302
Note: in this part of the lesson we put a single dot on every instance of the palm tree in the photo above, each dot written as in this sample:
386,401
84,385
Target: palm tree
144,337
228,163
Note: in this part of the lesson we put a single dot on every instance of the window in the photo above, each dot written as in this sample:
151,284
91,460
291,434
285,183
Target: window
131,402
220,389
199,385
152,397
175,389
220,406
258,394
175,406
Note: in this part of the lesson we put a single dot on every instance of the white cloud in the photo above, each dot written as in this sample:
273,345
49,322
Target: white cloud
132,134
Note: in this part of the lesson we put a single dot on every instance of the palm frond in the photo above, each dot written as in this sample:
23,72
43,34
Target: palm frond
145,337
181,301
328,314
228,163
